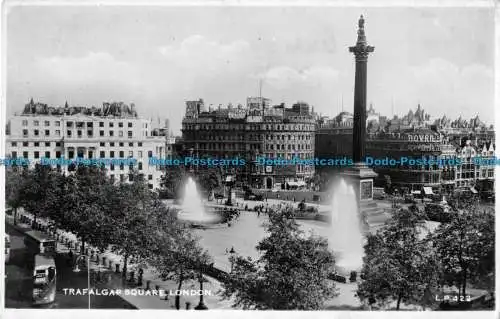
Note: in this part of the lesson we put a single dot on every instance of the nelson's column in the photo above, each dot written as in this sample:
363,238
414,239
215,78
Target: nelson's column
360,175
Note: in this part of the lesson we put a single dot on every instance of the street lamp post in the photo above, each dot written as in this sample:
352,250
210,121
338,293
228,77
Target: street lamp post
201,305
232,252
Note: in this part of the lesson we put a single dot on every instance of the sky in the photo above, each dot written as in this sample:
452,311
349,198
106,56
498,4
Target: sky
159,57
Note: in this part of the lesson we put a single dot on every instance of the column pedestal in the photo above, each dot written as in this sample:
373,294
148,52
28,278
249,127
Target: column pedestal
360,177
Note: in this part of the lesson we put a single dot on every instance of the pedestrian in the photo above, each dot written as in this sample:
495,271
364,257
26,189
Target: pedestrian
258,213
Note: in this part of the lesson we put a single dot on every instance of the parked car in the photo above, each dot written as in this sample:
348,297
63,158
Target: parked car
438,212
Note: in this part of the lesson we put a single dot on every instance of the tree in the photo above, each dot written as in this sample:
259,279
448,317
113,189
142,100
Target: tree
466,247
209,179
175,253
292,272
33,194
172,181
14,183
87,206
133,214
398,265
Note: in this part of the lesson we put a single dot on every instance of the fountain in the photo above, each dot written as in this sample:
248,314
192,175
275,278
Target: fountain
346,237
192,208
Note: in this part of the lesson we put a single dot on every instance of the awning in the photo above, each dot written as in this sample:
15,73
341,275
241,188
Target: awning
428,191
473,190
415,192
295,184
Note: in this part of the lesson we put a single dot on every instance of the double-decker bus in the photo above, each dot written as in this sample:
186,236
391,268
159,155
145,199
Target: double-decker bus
37,242
44,280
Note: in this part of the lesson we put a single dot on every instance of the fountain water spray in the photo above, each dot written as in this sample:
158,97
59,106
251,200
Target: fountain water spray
192,207
346,236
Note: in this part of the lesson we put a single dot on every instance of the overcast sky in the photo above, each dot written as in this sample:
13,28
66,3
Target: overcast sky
158,57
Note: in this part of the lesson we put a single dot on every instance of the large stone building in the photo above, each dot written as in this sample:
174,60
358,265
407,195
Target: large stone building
415,135
253,132
111,132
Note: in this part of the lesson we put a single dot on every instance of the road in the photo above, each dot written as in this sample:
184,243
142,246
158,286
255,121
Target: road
18,283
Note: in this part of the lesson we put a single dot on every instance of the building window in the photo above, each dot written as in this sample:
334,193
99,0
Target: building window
121,144
58,154
25,154
71,154
69,124
129,124
80,124
79,133
26,144
131,144
101,133
111,124
112,167
130,153
36,123
140,166
68,133
121,154
129,134
90,133
111,133
47,154
112,177
139,144
120,134
14,154
150,177
102,154
122,177
25,122
36,144
150,153
58,132
47,144
47,123
122,166
130,177
25,133
150,186
90,124
47,133
111,154
57,123
120,124
13,144
139,154
37,154
101,124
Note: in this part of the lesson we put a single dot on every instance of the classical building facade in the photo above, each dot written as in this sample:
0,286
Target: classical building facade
111,132
253,132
